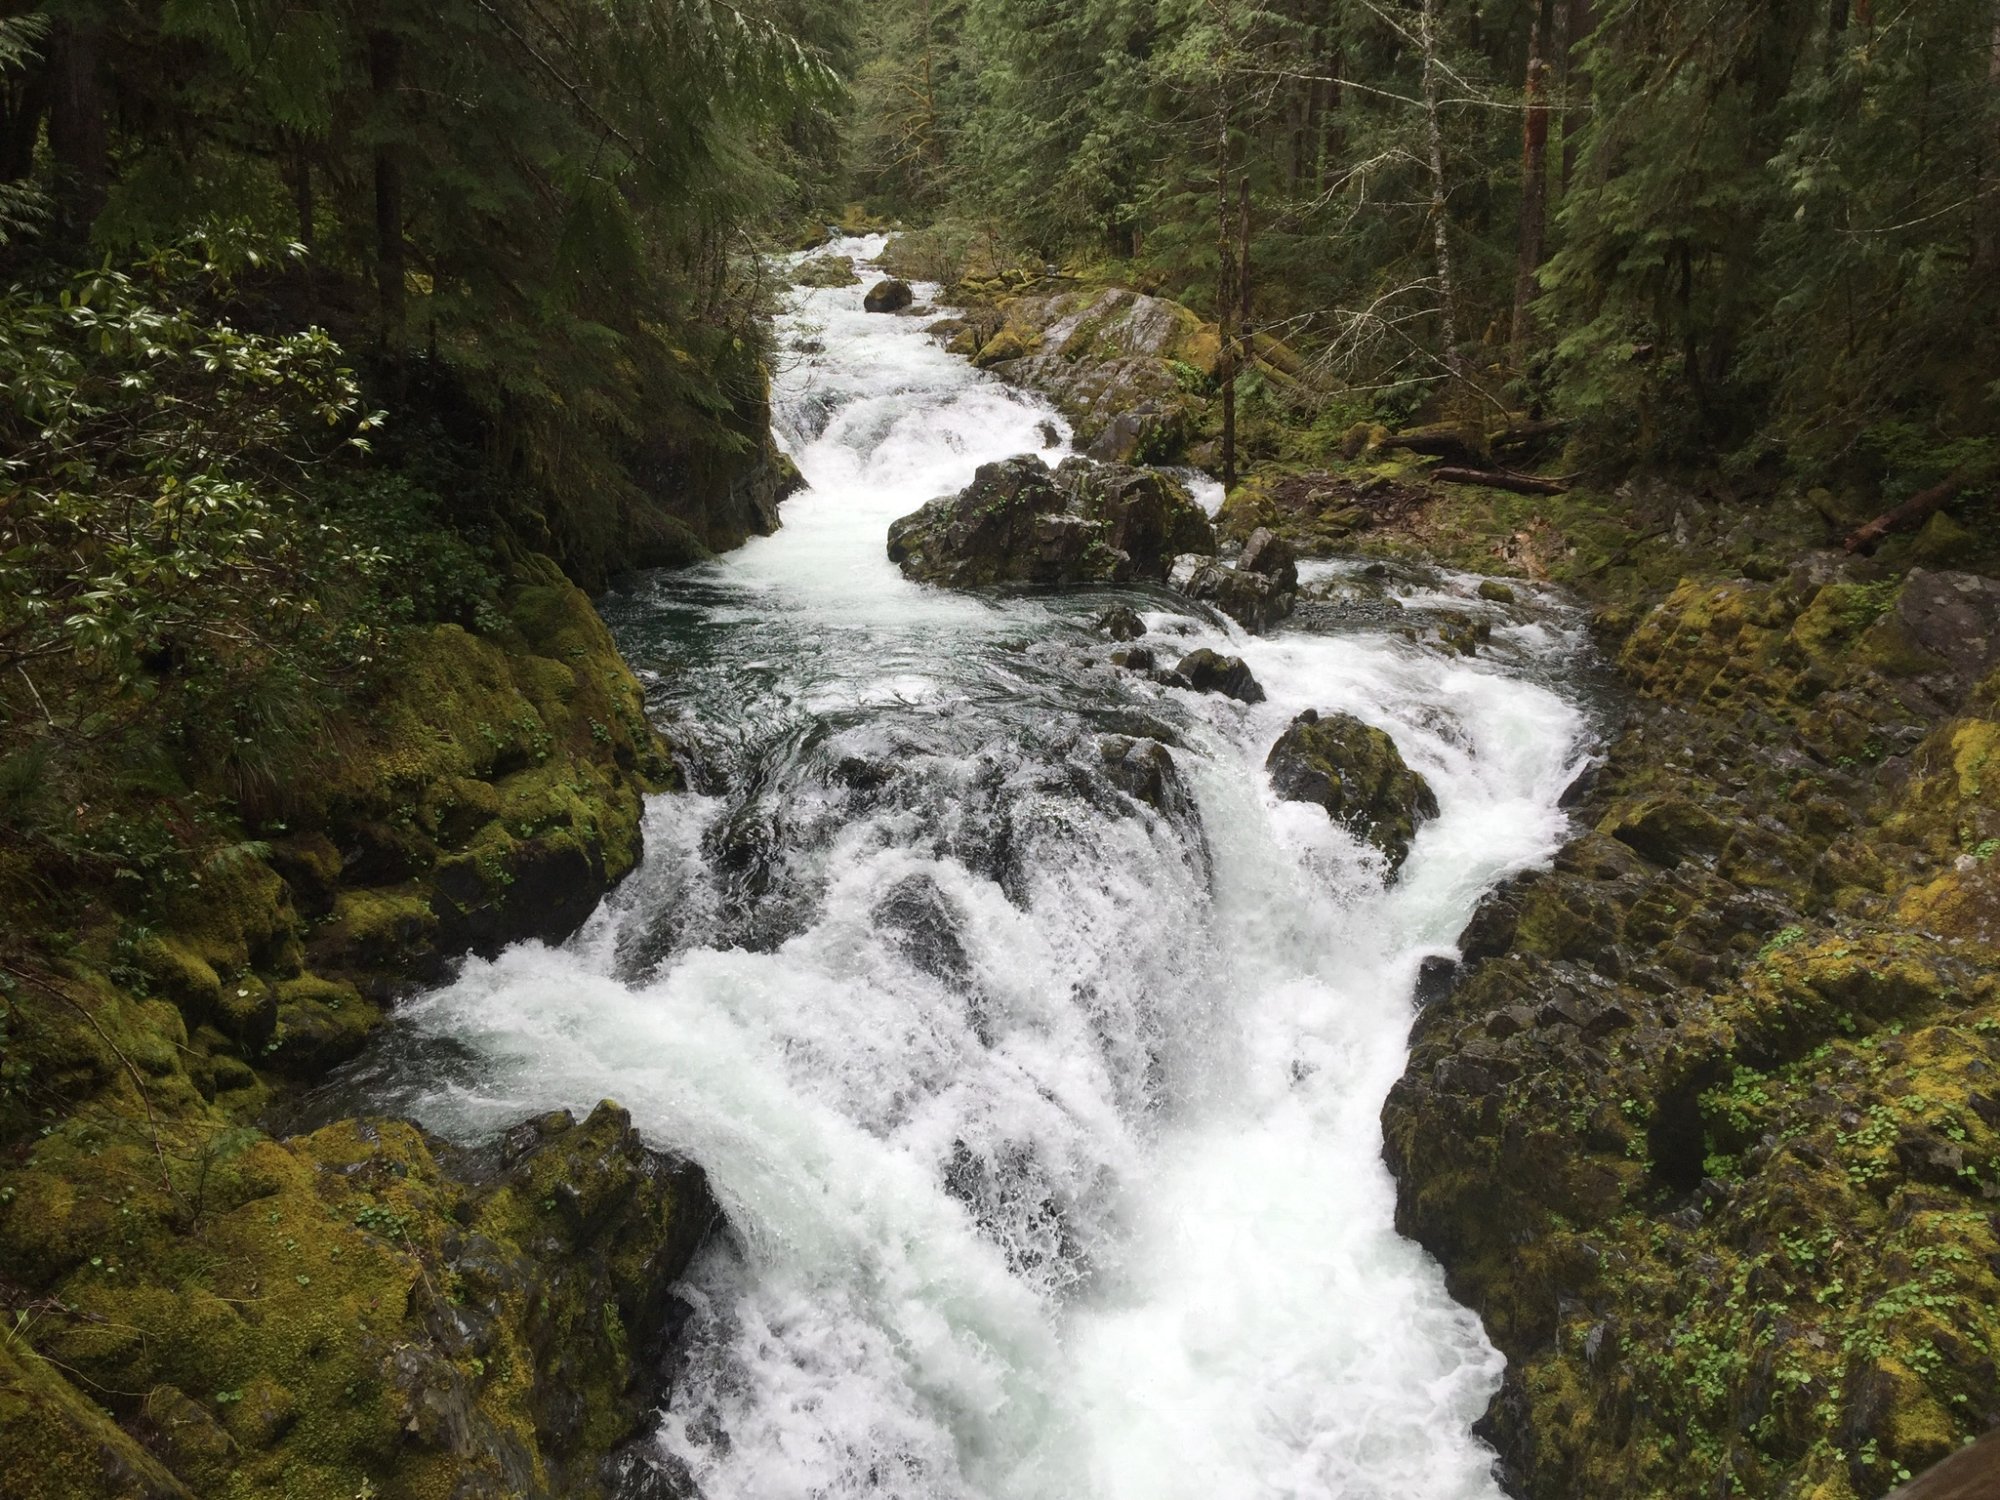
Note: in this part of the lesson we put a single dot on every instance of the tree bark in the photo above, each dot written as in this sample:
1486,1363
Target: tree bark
77,138
1228,293
1577,21
1440,230
24,99
1534,198
385,66
1986,207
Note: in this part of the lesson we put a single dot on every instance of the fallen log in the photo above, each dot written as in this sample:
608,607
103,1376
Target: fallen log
1501,479
1972,1473
1454,445
1912,512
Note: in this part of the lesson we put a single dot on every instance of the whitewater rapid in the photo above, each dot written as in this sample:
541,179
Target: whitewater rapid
1045,1121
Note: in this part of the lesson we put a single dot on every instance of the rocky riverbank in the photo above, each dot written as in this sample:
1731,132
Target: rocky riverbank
201,1305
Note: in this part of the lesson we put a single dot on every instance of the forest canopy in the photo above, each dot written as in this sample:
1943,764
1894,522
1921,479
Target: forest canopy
1761,233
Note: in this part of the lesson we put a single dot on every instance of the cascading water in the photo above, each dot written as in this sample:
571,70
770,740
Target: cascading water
1044,1114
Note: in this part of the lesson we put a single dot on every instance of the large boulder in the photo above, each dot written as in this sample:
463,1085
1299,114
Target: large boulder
1018,522
891,295
1256,601
1357,774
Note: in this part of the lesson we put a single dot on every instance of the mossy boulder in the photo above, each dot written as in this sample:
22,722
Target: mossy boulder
1356,773
1132,372
360,1310
1209,671
826,271
887,296
1018,522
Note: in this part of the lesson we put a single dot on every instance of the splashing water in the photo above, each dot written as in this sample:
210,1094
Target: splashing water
1045,1116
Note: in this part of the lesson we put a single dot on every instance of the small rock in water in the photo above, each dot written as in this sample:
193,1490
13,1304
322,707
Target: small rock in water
1211,672
1135,659
888,296
1051,434
1496,592
1122,623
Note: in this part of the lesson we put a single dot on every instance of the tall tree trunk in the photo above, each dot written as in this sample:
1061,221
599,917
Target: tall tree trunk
1986,207
77,136
303,209
385,66
1228,293
1440,230
1534,197
1577,21
1333,122
24,99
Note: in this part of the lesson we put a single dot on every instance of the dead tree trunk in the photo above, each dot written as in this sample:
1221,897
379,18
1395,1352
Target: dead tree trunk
1986,207
1227,294
1440,228
1577,23
385,64
1534,198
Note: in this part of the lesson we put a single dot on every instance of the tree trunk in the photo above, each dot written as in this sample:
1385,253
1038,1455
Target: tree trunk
77,137
1228,293
24,99
1440,232
385,65
1577,22
1534,199
1986,207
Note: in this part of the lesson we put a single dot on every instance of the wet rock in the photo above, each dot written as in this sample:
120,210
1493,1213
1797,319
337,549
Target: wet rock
1255,601
887,296
1151,517
1272,557
1435,977
1145,769
1122,623
1135,659
920,921
1464,635
1494,591
1356,773
1019,523
1210,672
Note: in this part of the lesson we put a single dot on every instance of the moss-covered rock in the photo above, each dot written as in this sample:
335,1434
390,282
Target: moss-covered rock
1018,522
1357,774
360,1310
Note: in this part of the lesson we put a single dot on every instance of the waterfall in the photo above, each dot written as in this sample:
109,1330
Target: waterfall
1045,1113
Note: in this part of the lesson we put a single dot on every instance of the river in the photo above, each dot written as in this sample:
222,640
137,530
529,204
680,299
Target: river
1046,1121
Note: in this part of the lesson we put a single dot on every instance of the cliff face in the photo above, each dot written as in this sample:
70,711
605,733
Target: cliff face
201,1308
1708,1129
